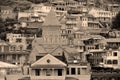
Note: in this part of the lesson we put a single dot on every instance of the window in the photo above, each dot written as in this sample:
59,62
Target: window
115,54
68,71
14,57
21,48
1,57
78,70
38,57
48,72
84,70
109,62
37,72
59,72
0,48
13,48
73,71
18,40
115,62
6,48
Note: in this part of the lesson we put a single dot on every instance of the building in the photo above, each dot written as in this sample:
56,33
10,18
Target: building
53,68
113,43
16,49
39,10
111,59
52,58
48,67
7,12
17,40
101,15
10,53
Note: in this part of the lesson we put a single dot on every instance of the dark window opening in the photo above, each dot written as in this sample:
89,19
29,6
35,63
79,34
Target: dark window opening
78,70
109,62
115,62
68,71
38,57
48,72
19,40
14,57
59,72
37,72
73,71
115,54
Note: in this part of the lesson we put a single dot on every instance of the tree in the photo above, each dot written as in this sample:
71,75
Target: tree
116,22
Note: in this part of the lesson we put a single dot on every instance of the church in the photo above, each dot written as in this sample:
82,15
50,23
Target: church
52,57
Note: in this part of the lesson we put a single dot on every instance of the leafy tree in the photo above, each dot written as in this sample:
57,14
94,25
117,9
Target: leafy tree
116,22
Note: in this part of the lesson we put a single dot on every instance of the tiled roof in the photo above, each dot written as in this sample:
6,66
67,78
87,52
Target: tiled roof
38,47
70,49
51,19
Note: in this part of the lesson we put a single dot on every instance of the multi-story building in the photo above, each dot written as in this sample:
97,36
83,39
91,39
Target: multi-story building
39,10
16,49
16,40
101,15
111,59
113,43
7,12
9,53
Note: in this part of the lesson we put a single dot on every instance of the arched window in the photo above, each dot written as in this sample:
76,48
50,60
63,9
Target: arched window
13,48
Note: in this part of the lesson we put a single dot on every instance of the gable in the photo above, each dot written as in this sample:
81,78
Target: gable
48,60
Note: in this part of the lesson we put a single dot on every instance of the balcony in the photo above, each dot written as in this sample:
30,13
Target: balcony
71,22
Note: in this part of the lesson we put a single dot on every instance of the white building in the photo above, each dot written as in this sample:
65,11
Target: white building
17,41
100,14
111,59
35,10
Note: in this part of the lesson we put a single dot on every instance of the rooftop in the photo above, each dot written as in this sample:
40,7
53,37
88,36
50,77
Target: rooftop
51,19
